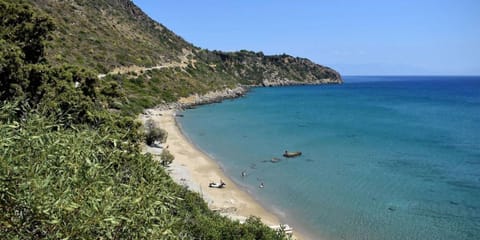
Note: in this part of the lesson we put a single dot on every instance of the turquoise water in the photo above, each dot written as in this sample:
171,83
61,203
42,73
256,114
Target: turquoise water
383,157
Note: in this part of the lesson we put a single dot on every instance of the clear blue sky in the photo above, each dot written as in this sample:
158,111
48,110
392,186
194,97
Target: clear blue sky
356,37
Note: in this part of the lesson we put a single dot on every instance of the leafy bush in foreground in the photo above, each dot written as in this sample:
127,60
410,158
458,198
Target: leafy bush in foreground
60,183
85,183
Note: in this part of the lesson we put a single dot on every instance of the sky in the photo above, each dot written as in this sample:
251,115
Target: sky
355,37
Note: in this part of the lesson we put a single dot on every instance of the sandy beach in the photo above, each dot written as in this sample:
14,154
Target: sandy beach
196,170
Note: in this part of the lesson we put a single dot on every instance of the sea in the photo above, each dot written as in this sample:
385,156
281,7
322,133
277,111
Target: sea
382,157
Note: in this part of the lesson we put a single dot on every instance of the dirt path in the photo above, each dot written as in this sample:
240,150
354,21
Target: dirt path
184,62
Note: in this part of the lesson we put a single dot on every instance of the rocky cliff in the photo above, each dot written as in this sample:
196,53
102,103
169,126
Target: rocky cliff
275,70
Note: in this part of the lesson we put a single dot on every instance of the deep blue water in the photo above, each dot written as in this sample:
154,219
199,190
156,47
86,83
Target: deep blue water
383,157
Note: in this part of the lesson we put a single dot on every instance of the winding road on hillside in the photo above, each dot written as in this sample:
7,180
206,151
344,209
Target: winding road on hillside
183,63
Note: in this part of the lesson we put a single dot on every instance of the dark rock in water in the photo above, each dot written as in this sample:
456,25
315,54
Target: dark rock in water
453,202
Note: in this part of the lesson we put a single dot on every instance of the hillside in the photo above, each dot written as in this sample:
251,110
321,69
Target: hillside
105,34
109,35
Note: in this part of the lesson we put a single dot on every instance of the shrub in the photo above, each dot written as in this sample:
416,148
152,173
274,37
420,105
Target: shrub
166,158
60,183
155,133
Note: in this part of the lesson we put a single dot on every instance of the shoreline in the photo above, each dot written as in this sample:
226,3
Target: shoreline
218,96
201,170
195,169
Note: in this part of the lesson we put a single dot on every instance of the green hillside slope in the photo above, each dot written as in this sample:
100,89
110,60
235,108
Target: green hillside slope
109,34
104,34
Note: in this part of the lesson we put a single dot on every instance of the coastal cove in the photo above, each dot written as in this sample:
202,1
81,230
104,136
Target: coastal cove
381,160
114,126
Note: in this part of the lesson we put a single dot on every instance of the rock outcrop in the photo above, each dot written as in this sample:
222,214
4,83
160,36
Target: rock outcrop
212,97
201,99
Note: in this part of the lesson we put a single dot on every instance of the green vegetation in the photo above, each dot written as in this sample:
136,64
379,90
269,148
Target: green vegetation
70,166
104,34
165,85
154,133
166,157
253,68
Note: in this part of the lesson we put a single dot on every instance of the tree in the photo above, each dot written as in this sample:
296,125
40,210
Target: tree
166,158
23,34
63,91
154,133
26,28
12,72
